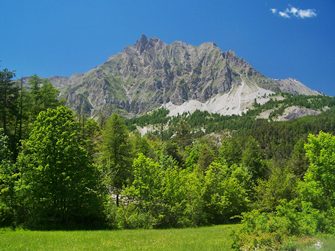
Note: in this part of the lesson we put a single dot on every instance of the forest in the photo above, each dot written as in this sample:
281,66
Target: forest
62,170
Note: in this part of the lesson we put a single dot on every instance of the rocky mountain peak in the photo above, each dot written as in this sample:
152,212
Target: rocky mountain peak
145,43
151,74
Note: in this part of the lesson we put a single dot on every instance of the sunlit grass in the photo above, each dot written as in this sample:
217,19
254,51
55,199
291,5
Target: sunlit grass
204,238
320,243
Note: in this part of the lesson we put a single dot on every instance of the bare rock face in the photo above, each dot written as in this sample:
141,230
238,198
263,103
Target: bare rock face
293,86
294,112
151,73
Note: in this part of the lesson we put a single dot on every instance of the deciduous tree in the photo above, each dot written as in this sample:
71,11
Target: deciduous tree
58,185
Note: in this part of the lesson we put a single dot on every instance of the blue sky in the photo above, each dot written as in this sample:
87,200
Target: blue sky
279,38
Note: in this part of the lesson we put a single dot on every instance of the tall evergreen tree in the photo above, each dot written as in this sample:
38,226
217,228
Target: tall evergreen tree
8,99
42,96
116,155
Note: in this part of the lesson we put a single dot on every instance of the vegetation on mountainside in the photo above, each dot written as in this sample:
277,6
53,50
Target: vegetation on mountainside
59,170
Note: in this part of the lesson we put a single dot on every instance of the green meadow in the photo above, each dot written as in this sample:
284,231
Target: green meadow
202,238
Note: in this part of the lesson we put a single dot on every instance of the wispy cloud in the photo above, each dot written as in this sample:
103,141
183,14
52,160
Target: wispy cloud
294,12
283,14
273,10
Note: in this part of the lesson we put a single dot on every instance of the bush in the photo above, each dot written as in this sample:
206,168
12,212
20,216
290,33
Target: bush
130,216
263,230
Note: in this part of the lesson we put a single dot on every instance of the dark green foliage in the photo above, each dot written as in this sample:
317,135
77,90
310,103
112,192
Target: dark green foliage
231,150
252,158
7,179
58,187
276,139
281,184
172,150
42,96
10,116
91,134
158,116
298,162
200,154
9,93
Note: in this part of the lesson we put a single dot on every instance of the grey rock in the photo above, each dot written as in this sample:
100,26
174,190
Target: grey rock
151,73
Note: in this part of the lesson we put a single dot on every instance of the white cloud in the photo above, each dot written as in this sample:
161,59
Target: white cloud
306,13
295,12
283,14
273,11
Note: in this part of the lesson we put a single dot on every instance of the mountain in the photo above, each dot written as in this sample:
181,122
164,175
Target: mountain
177,76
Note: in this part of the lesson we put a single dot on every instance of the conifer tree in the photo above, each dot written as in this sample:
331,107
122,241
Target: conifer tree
116,157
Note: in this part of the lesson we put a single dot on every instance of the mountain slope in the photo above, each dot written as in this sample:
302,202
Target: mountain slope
178,76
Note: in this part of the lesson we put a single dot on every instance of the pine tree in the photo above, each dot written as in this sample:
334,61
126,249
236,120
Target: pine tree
8,101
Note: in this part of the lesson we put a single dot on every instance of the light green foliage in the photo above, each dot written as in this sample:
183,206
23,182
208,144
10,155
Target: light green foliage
169,196
318,186
58,185
116,154
226,191
145,193
269,231
146,178
5,154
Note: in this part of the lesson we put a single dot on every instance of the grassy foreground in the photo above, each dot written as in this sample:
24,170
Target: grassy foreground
322,242
203,238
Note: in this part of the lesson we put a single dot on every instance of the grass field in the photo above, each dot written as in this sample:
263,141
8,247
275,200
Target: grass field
204,238
320,243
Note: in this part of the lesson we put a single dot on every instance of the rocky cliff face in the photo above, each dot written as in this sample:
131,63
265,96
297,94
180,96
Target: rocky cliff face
151,73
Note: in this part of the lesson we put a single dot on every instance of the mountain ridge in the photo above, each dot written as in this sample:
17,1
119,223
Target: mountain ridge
152,74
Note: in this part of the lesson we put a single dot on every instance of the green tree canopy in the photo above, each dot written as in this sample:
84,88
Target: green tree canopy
226,191
58,185
318,185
